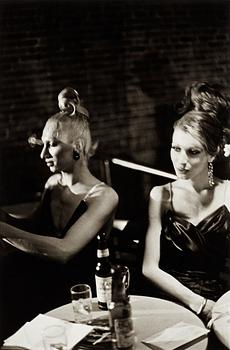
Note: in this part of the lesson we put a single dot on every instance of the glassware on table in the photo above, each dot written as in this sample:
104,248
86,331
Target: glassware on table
124,274
120,313
54,338
81,296
103,273
124,270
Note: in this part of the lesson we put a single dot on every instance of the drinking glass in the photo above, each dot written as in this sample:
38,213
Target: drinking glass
54,338
81,296
123,271
124,276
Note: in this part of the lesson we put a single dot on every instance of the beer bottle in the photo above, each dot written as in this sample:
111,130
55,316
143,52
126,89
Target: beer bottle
120,314
103,277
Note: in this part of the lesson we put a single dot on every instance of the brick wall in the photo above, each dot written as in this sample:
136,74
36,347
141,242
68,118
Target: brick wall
130,61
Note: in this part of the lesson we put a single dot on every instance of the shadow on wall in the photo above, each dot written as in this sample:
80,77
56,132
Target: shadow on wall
154,75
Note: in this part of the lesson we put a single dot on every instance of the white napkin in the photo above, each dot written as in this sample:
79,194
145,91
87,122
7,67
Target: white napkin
30,334
175,336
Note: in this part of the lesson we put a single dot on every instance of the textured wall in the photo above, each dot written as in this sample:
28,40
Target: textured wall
129,60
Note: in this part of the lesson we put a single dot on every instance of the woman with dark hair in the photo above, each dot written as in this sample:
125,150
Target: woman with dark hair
54,247
212,99
205,97
188,238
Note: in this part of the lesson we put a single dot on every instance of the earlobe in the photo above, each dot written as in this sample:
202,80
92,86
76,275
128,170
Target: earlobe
211,159
79,146
77,151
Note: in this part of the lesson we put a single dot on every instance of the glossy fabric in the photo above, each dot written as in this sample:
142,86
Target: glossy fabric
196,254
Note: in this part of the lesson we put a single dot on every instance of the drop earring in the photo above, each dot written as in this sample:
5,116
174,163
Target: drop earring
76,155
210,175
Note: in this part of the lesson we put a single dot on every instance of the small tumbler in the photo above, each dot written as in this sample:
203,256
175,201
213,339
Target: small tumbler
81,296
54,338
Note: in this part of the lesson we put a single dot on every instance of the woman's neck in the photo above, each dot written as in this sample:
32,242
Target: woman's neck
198,185
80,175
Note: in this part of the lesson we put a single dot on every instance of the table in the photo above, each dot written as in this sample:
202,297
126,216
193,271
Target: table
221,316
150,315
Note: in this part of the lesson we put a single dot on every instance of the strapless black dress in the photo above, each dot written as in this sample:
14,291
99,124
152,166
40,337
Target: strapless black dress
196,254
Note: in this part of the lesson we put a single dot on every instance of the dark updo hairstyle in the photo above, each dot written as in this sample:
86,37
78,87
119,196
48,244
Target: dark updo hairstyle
204,128
205,97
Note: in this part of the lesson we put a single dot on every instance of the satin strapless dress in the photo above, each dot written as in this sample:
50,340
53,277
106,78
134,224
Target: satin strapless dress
196,254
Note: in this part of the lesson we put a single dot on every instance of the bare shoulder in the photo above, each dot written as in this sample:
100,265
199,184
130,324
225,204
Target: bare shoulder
53,181
160,193
159,202
105,193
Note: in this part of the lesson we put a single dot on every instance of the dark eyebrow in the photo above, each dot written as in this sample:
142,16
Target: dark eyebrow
196,147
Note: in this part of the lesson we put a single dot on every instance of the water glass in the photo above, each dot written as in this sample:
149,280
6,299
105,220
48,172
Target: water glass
54,338
81,296
124,271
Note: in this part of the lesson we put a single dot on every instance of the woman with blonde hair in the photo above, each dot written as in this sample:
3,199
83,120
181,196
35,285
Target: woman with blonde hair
56,243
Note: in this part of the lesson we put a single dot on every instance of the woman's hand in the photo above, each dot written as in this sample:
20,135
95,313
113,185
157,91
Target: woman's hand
206,313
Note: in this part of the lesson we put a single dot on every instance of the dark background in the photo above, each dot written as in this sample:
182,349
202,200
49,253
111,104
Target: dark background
130,62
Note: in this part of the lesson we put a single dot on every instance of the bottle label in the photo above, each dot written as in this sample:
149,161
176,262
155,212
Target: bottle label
125,335
102,253
104,289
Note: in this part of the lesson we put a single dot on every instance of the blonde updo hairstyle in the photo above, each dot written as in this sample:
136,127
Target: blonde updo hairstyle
73,121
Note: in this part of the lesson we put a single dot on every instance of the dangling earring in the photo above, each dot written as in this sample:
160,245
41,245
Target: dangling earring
76,155
210,175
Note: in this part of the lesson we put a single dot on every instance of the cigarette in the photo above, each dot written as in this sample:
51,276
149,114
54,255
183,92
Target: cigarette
102,337
102,328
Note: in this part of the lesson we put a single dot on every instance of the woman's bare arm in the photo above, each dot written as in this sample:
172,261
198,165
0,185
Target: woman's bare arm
151,268
101,207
